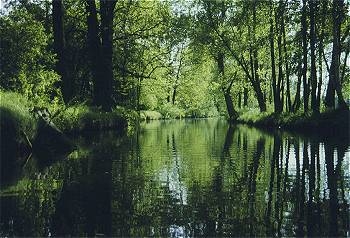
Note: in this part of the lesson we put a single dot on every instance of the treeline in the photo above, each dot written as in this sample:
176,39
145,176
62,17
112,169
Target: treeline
187,58
292,55
80,50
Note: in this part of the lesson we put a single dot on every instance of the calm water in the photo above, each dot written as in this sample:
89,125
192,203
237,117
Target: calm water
185,178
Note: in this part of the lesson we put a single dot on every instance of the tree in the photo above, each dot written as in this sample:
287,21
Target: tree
26,61
313,78
334,84
101,51
212,22
256,78
60,48
306,86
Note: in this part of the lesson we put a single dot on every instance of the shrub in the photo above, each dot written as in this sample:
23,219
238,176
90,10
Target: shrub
150,115
171,111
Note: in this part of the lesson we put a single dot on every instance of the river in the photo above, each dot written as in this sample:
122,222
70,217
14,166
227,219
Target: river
181,178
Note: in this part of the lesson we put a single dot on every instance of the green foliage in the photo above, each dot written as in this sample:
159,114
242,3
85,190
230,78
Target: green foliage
71,117
16,111
150,115
169,110
165,57
253,116
81,117
129,116
329,121
26,64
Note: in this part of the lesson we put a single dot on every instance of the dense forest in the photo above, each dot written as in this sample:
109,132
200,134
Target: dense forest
181,58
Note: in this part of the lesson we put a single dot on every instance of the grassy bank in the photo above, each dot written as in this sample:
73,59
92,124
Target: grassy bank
333,122
17,114
80,118
171,111
15,117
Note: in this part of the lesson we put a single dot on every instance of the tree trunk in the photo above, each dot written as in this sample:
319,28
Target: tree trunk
320,50
286,59
177,77
275,93
320,76
279,87
256,82
94,44
304,72
107,15
334,77
229,105
232,113
240,100
245,96
313,57
59,47
296,104
173,96
101,51
347,51
168,97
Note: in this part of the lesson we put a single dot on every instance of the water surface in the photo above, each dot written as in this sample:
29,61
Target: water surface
185,178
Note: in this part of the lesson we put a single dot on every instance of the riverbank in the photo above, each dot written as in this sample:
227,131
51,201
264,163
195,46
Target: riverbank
149,115
330,122
23,114
22,121
48,130
82,118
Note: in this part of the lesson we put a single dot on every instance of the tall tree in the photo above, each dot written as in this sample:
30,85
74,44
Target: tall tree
280,79
334,84
321,36
276,96
256,82
101,51
226,89
59,47
297,102
306,87
107,15
286,63
223,37
313,72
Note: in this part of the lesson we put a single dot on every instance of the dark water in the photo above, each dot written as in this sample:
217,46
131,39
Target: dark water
185,178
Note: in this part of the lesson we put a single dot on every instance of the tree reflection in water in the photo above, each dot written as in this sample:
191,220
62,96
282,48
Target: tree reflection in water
186,178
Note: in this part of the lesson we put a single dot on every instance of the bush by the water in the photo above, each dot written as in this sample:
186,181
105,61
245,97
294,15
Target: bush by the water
82,117
150,115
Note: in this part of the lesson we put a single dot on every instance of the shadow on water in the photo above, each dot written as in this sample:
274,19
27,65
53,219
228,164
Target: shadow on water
186,178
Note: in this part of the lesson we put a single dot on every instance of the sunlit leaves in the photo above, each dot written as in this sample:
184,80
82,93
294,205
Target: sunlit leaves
26,64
